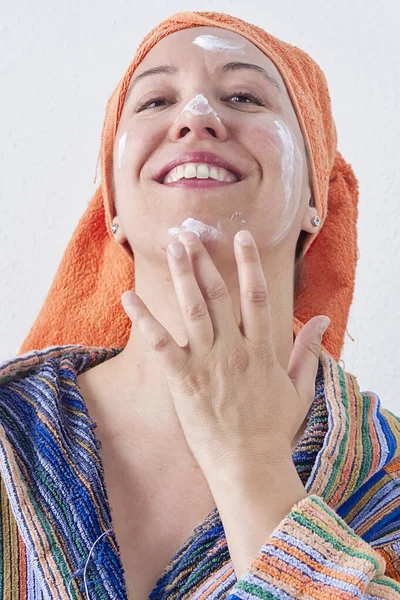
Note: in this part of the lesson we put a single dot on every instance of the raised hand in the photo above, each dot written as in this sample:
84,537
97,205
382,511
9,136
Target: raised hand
235,402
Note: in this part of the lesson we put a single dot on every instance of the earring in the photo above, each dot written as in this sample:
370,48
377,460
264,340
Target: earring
114,227
316,221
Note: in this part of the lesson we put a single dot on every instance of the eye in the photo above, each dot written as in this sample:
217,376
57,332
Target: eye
256,99
249,95
146,105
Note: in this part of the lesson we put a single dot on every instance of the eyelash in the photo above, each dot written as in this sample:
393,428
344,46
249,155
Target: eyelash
251,95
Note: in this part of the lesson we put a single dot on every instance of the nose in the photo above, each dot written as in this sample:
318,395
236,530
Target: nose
198,126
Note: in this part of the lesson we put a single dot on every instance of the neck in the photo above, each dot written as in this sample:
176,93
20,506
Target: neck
135,374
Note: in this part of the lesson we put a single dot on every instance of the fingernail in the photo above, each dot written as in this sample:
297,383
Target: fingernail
244,238
189,237
128,299
323,325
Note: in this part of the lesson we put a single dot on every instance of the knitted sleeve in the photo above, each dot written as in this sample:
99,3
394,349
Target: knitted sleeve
313,553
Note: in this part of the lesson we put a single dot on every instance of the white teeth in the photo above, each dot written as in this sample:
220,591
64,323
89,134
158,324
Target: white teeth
203,172
213,173
199,171
190,171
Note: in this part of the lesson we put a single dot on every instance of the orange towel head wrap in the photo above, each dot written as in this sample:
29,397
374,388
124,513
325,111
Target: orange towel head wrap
83,305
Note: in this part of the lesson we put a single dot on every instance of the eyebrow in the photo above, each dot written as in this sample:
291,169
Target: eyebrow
227,68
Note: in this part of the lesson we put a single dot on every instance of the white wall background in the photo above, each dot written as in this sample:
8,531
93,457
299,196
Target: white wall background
60,62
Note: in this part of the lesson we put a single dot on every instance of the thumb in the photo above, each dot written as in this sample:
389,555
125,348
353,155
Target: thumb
304,359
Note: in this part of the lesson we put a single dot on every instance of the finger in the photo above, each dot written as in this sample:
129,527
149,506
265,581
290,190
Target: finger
173,356
304,359
255,309
197,320
213,289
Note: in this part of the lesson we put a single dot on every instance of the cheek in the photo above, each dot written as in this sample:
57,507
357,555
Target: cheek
265,143
277,153
132,148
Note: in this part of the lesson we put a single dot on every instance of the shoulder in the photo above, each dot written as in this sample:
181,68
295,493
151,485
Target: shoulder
359,461
357,471
360,420
41,408
35,386
28,385
31,362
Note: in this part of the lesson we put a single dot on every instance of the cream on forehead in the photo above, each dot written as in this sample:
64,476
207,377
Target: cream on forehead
216,44
201,229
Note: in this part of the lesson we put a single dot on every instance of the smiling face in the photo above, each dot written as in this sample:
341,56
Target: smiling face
207,144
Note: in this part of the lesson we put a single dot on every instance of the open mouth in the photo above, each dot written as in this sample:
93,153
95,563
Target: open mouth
199,175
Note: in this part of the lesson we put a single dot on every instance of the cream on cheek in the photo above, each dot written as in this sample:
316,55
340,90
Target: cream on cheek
291,171
121,149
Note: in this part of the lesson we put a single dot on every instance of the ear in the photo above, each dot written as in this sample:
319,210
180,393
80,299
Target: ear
309,214
119,235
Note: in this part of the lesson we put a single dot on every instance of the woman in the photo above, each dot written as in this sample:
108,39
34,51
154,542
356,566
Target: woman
237,461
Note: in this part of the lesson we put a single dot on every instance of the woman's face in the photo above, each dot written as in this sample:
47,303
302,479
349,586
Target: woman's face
204,101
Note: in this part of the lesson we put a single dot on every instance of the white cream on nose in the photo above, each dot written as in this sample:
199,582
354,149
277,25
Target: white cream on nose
199,105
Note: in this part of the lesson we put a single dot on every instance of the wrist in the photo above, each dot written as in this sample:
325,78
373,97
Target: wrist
273,471
262,498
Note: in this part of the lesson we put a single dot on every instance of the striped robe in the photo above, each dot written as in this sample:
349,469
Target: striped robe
57,542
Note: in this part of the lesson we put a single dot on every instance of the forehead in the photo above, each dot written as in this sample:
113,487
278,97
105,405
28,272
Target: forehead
206,46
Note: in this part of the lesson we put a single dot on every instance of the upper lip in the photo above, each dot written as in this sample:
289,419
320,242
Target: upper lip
199,157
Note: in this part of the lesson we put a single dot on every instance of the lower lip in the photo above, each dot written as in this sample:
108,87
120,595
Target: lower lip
198,183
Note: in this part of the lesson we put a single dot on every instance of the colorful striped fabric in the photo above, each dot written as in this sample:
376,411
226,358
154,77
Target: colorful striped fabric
341,542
